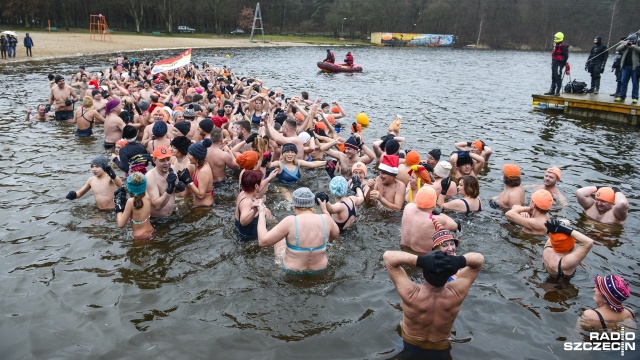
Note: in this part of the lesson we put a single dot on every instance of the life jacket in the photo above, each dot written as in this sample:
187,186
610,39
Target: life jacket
557,52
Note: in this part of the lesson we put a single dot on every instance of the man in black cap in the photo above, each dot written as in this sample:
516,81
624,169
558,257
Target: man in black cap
62,95
596,63
433,158
430,309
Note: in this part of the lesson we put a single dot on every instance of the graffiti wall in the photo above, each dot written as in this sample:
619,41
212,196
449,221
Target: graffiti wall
407,39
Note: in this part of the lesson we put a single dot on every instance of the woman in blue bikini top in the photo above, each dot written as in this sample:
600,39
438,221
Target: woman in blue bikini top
300,240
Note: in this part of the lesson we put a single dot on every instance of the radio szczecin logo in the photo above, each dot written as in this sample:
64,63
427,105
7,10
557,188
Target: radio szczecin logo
613,341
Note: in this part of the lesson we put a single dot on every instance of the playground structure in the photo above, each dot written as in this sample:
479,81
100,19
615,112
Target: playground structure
98,28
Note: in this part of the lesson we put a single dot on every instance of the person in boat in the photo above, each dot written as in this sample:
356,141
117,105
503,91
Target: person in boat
560,246
348,60
331,58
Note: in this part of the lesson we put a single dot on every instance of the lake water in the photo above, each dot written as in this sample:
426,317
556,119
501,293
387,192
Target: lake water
75,287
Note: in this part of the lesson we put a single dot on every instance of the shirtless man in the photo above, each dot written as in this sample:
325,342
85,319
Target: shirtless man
103,183
99,103
156,116
350,155
62,94
219,159
417,229
513,193
41,114
609,207
161,184
385,188
466,163
146,92
430,309
476,147
288,134
551,179
113,124
82,85
533,217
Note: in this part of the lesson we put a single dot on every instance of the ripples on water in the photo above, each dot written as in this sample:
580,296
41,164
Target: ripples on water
74,285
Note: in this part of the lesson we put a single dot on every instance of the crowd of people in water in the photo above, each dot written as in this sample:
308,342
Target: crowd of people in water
184,132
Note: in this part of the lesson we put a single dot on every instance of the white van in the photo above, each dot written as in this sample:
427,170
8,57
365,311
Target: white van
186,29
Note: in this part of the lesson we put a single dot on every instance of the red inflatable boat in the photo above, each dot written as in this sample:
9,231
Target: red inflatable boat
335,68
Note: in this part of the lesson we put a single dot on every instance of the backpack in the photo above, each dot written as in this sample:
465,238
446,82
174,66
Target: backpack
576,87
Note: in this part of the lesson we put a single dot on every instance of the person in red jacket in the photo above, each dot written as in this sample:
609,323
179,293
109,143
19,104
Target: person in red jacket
330,57
559,57
348,59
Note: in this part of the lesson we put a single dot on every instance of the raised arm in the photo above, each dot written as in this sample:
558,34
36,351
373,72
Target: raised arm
584,196
394,260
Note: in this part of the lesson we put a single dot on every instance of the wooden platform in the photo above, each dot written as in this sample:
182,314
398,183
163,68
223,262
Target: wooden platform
599,106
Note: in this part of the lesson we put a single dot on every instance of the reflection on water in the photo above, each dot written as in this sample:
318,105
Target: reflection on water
75,285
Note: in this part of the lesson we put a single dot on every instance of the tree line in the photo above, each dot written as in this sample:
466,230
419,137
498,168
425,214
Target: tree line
498,24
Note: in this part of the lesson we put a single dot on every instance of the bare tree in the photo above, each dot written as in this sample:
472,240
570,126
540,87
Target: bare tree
135,8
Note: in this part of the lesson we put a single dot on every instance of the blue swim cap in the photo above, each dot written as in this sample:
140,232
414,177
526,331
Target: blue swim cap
338,186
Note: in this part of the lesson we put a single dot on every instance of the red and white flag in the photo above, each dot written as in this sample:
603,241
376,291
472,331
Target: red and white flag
173,63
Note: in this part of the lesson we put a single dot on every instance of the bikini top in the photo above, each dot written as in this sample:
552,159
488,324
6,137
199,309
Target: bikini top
352,212
134,222
297,247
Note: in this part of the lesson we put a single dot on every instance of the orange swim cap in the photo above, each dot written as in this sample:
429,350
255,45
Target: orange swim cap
335,109
121,142
299,116
359,166
556,171
606,194
412,158
511,171
340,147
542,199
331,119
478,145
562,243
426,197
247,160
357,129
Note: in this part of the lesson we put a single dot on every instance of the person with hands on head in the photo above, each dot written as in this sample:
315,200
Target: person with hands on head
443,240
610,315
201,185
137,209
162,184
477,147
532,218
300,240
343,212
466,163
430,309
558,257
609,205
350,156
103,183
416,229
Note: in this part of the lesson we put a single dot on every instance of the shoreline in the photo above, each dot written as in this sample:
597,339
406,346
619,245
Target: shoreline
49,46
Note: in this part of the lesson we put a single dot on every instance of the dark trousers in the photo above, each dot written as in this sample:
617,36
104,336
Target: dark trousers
29,54
557,67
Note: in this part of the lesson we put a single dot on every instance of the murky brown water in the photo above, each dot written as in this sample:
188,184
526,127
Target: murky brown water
74,285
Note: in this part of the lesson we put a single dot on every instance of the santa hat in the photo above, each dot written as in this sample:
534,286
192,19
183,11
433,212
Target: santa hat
389,164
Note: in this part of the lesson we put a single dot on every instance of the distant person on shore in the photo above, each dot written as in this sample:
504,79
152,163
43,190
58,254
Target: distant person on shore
559,57
559,248
103,183
348,60
13,43
430,309
616,68
28,44
331,58
610,205
629,62
595,63
4,46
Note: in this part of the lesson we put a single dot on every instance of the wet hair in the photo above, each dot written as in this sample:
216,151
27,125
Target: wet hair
87,101
305,95
260,145
250,178
50,76
147,81
137,178
245,124
154,98
540,210
511,182
471,186
216,135
291,124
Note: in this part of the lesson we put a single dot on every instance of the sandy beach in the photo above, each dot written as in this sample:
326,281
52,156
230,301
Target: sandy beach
65,44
